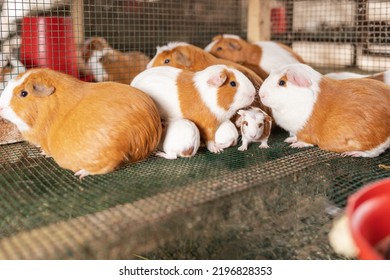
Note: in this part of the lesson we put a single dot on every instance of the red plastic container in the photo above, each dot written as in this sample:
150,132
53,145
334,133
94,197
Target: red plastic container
368,211
278,20
48,42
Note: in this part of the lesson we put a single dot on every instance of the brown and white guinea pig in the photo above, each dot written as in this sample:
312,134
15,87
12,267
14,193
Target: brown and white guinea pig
383,76
264,55
181,138
89,128
186,56
207,98
347,116
107,64
255,126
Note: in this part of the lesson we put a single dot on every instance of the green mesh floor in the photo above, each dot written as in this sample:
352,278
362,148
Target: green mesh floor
271,204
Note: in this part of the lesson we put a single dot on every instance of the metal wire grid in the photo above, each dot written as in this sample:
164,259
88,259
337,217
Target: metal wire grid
52,214
336,34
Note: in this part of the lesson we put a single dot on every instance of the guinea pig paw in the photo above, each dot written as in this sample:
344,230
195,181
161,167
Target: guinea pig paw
291,139
243,148
81,173
213,147
354,154
165,155
300,144
263,146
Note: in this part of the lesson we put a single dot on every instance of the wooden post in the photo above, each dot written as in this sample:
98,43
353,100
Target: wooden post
77,14
259,20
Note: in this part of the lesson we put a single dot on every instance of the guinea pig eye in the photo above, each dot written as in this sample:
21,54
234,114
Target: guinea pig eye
219,49
260,125
166,61
23,93
282,83
245,123
233,84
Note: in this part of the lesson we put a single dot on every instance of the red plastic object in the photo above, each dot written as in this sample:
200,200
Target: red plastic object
278,20
48,42
368,211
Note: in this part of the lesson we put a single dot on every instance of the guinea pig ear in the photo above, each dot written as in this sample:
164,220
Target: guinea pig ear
217,37
298,79
182,59
42,89
234,45
217,79
241,112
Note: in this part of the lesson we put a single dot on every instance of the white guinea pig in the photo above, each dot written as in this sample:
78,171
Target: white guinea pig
349,116
226,135
207,98
180,138
255,126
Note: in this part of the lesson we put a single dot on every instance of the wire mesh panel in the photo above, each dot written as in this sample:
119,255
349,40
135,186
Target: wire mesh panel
336,34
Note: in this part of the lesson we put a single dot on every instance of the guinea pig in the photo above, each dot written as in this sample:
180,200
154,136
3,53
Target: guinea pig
349,116
107,64
383,76
226,135
89,128
189,57
265,55
255,126
207,98
180,138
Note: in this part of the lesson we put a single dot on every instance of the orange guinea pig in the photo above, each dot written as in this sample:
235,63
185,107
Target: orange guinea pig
89,128
349,116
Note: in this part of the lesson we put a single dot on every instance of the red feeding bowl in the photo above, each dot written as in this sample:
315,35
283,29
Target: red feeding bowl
48,42
368,211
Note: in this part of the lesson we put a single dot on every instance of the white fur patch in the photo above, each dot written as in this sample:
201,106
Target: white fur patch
374,152
291,105
170,46
386,77
96,66
226,135
344,75
160,84
244,96
5,108
274,56
209,47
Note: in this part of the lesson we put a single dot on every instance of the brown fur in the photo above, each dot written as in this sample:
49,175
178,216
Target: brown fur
189,98
196,59
123,67
4,71
9,133
349,115
267,127
378,77
90,126
91,45
241,51
188,152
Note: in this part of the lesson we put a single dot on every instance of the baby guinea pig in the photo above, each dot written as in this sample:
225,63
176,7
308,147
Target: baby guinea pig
89,128
255,126
349,116
226,135
207,98
265,55
180,138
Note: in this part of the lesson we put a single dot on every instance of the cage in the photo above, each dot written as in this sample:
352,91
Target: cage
275,203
